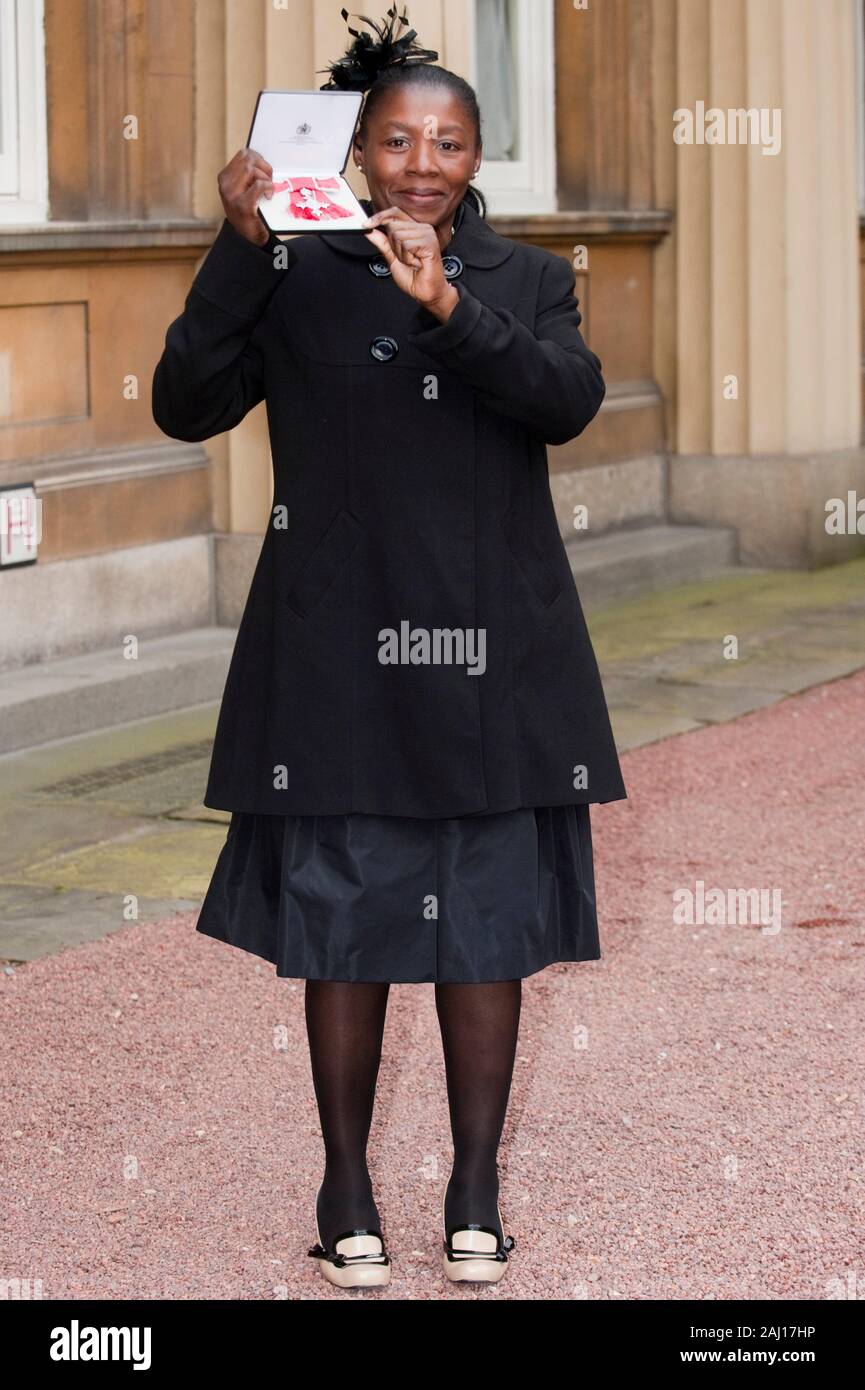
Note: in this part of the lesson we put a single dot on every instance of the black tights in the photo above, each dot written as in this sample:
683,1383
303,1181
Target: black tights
345,1025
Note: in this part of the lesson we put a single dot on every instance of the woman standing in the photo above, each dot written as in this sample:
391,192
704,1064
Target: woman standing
413,724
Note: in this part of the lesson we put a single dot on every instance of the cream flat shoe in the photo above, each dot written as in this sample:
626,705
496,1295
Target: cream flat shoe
358,1258
473,1252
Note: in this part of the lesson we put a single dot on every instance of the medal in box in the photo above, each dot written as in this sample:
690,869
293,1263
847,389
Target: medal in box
306,137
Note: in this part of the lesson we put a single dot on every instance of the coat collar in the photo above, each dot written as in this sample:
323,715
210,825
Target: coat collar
474,240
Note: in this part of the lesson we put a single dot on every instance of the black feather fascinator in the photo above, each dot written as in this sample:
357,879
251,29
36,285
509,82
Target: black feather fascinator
367,58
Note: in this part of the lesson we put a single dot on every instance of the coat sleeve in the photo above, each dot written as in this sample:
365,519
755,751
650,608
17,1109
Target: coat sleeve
548,379
211,371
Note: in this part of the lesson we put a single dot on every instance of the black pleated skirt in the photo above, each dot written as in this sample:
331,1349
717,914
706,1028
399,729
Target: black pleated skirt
407,900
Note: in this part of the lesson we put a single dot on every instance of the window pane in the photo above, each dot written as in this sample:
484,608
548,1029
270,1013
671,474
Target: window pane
496,77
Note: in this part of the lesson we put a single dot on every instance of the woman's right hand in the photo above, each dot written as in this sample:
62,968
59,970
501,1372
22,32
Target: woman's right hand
244,180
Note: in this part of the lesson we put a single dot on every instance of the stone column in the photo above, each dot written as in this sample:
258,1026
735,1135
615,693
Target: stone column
766,418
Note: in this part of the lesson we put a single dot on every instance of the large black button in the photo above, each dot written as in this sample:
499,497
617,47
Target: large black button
379,266
452,266
384,348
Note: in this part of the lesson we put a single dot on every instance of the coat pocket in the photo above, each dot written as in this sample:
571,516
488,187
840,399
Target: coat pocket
528,555
324,563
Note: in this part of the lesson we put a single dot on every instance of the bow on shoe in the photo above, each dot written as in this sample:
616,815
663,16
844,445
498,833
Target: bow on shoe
340,1261
460,1254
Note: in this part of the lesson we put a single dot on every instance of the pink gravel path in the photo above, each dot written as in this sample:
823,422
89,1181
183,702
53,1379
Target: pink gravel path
159,1132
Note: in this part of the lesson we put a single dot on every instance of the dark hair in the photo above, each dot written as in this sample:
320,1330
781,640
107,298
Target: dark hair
378,67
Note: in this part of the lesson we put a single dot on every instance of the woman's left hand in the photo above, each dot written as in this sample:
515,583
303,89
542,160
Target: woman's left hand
414,257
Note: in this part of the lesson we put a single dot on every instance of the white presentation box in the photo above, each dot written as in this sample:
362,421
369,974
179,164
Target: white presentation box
306,137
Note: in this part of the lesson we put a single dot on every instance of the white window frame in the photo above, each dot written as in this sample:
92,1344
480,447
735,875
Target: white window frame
24,162
525,185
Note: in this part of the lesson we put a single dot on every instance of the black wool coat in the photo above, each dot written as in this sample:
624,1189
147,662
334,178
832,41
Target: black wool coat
413,643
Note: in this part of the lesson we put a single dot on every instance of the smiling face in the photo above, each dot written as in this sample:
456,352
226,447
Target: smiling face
419,152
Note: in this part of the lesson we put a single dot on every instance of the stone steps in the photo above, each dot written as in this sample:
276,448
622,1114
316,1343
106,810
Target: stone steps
633,560
99,689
